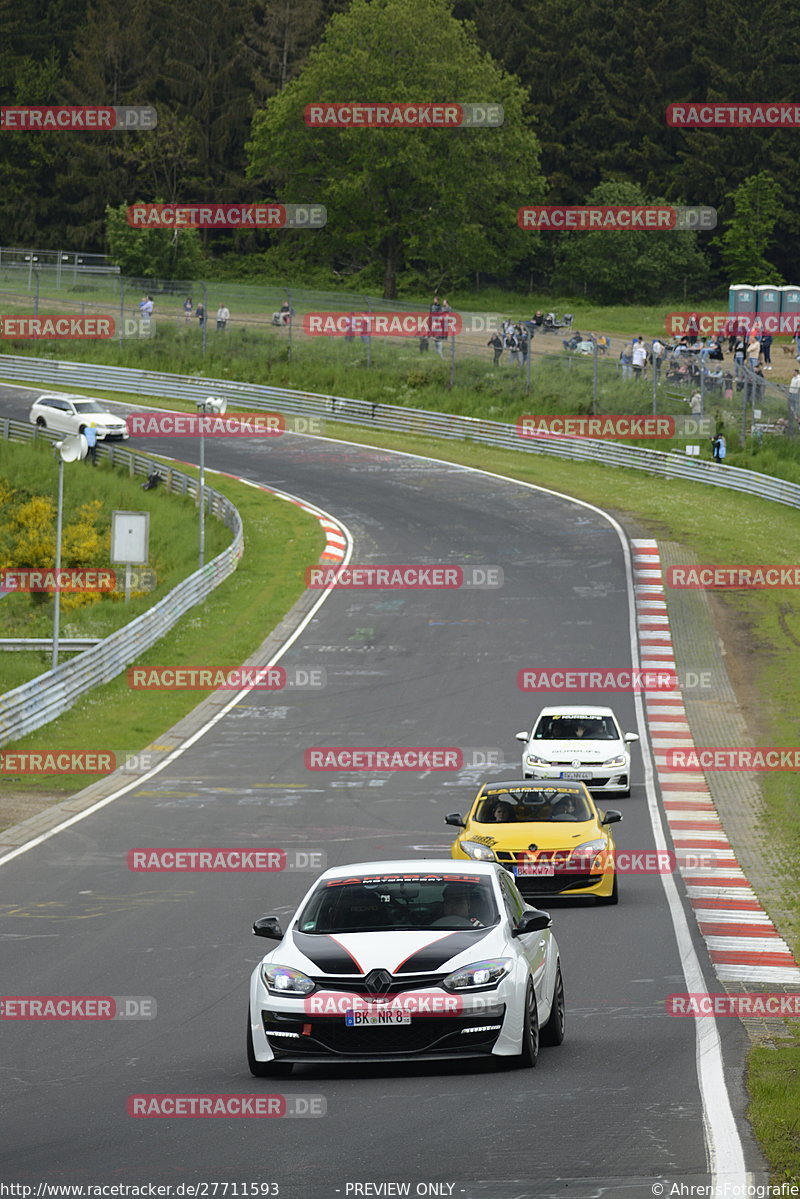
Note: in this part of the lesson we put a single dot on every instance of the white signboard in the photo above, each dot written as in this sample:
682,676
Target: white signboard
130,537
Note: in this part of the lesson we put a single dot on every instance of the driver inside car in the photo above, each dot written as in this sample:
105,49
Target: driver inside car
456,908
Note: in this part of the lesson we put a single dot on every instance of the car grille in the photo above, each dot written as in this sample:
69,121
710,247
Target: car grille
359,986
550,884
329,1035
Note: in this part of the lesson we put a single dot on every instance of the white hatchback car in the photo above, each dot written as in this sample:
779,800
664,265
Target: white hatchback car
583,743
406,961
71,414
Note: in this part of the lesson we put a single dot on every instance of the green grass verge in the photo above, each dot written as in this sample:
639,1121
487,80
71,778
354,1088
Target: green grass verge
773,1081
221,633
31,470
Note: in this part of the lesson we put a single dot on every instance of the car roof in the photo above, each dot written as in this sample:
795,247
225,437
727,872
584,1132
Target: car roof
577,710
411,866
530,784
64,395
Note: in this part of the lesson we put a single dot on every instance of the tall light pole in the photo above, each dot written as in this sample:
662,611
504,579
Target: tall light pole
212,404
69,450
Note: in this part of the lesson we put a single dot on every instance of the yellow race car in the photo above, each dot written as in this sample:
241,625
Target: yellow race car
551,837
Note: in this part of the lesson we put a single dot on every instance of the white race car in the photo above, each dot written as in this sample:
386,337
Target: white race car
581,742
406,961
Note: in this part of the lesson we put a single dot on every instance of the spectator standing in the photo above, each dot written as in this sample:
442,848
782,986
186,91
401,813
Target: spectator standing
200,313
188,308
496,343
766,350
738,356
512,345
626,360
753,351
223,316
639,357
90,433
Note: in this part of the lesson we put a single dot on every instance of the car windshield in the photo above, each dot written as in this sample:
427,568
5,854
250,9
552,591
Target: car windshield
399,903
90,406
576,728
535,804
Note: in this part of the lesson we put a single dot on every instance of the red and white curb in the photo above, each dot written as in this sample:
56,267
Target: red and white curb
742,941
335,537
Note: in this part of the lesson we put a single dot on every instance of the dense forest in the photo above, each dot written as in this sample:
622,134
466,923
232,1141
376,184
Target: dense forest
584,87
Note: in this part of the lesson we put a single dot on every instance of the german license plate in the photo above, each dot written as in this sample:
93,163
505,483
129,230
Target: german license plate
536,870
576,774
362,1019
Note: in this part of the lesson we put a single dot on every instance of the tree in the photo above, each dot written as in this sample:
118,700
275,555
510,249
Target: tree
743,246
442,201
617,267
152,253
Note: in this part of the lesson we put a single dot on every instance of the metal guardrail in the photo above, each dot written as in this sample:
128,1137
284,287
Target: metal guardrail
66,645
69,376
40,700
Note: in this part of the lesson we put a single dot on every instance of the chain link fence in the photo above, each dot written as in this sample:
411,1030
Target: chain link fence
555,368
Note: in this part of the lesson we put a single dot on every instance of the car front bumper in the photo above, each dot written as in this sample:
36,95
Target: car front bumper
596,778
487,1023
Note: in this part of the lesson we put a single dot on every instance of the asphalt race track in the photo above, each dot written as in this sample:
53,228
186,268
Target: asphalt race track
612,1111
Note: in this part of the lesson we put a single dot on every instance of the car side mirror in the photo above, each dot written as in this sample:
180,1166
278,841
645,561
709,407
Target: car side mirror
531,921
522,736
611,817
631,737
456,819
268,926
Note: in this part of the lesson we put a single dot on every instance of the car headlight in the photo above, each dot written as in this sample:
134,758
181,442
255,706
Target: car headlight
620,760
478,852
478,975
283,980
591,853
532,760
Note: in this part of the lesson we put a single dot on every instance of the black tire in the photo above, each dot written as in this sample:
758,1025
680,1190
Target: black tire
553,1031
264,1069
40,422
604,900
530,1033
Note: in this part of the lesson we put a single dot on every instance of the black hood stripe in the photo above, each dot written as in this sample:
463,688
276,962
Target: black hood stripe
432,956
327,953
